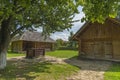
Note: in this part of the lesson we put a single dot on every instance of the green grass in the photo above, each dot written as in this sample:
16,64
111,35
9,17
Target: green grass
37,71
57,53
113,73
63,53
12,54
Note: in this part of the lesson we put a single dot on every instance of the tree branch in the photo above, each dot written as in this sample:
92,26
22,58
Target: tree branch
16,31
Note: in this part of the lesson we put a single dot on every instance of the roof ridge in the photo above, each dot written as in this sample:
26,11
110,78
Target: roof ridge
34,36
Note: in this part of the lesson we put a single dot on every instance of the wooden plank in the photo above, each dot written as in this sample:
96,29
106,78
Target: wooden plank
108,50
116,49
99,49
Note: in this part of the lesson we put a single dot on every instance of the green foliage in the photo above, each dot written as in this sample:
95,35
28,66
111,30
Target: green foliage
37,71
72,44
66,45
113,73
51,15
63,53
59,43
99,10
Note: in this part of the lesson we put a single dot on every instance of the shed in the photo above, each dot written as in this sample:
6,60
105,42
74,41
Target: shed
31,39
99,41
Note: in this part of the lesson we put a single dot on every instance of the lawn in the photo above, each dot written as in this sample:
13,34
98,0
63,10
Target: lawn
57,53
113,73
37,71
12,54
63,53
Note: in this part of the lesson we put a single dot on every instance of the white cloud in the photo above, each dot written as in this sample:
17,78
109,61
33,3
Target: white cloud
60,35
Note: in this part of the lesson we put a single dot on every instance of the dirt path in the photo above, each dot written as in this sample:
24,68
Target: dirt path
89,69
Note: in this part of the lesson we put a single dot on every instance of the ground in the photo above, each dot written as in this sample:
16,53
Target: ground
89,69
59,65
20,68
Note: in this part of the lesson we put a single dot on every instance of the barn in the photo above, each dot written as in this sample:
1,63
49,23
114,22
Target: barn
29,40
99,41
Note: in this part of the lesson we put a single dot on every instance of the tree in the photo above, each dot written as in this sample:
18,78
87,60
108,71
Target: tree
99,10
18,15
72,44
59,43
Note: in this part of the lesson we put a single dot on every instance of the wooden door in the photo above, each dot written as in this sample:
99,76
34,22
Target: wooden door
108,50
116,49
99,49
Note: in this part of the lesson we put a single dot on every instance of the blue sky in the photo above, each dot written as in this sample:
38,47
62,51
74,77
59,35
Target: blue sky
76,26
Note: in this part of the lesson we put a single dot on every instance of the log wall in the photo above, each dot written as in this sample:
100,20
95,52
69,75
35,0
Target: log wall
22,46
101,40
16,46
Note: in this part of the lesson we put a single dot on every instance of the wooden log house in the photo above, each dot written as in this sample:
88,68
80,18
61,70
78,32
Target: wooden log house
99,41
29,40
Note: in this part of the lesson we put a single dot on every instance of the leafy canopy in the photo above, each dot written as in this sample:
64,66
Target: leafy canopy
51,15
99,10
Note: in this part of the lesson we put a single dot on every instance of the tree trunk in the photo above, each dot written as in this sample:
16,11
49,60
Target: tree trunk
3,59
4,42
3,51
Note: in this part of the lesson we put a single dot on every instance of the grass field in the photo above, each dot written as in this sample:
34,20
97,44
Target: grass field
63,53
113,73
11,54
57,53
37,71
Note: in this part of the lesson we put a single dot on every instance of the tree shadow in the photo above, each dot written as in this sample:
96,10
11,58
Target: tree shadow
89,64
25,71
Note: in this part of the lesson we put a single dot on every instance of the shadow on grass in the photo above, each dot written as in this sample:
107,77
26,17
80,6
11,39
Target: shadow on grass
27,71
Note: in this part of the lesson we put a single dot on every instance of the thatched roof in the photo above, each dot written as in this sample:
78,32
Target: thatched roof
33,36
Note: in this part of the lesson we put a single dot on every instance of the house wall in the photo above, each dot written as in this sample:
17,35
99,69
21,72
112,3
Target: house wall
16,46
27,45
22,46
30,44
116,49
101,40
48,46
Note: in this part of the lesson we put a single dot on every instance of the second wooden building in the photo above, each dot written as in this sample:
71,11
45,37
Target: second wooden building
99,41
29,40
